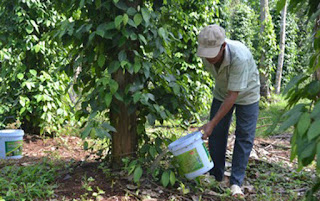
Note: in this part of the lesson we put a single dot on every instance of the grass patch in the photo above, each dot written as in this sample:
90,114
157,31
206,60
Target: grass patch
270,115
27,182
273,181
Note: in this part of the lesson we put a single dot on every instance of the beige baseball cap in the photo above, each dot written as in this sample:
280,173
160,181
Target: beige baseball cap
210,40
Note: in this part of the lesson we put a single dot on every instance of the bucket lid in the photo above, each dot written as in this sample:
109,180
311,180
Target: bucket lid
184,141
11,133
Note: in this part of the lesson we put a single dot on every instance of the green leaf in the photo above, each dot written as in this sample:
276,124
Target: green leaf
153,151
297,108
122,55
113,86
86,132
313,88
118,21
280,5
29,29
131,23
115,1
102,133
292,120
165,178
137,67
176,89
118,97
137,19
20,76
101,60
108,99
307,152
136,97
85,145
98,3
34,24
318,157
133,36
131,11
107,126
151,119
145,15
304,123
125,19
114,66
33,72
37,48
316,110
162,33
143,39
137,174
314,130
172,178
293,82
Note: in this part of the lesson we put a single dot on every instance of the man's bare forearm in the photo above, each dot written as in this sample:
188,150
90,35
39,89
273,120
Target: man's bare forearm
224,108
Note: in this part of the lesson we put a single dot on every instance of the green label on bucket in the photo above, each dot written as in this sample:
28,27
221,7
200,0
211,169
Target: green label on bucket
190,161
205,148
13,148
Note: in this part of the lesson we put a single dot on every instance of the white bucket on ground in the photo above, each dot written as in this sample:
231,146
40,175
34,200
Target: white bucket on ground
192,155
11,141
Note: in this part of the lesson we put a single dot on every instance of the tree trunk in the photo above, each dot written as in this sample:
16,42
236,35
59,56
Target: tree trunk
123,118
122,114
282,47
264,88
317,30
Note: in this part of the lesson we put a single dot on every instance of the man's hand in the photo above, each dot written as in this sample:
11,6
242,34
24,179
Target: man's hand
226,105
206,130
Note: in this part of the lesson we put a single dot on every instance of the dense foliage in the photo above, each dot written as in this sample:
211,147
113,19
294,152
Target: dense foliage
32,89
306,116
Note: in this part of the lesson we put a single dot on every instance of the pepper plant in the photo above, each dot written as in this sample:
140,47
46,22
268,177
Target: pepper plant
120,47
32,87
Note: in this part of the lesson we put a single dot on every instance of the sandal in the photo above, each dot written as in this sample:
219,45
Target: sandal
236,191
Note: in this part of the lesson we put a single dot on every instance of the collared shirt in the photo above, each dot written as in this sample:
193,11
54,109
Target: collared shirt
237,72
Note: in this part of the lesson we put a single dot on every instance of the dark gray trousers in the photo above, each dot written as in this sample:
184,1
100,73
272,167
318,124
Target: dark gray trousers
246,121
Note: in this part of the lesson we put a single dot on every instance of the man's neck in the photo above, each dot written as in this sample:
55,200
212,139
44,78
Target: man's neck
218,64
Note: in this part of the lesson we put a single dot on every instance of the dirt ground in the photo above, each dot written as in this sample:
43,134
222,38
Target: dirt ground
68,152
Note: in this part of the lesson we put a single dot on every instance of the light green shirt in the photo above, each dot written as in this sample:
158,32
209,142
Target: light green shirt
238,72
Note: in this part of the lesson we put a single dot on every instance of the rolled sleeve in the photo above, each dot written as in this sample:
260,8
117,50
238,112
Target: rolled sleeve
238,76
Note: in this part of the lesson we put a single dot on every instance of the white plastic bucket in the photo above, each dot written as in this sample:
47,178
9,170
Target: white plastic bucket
11,141
192,155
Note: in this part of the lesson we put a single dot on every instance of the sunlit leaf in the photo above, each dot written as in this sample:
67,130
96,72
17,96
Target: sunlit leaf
172,178
108,99
137,174
118,21
165,178
137,19
145,15
303,123
314,130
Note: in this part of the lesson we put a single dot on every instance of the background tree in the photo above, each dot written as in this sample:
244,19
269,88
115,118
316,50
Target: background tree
266,48
282,48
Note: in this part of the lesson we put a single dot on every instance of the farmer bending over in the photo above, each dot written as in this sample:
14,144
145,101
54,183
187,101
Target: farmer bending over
237,87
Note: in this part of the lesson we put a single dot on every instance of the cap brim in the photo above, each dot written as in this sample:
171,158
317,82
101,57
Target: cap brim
208,52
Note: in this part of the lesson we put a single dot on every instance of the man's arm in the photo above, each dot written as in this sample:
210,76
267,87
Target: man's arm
223,110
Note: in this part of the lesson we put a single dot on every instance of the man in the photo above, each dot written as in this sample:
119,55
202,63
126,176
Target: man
237,86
